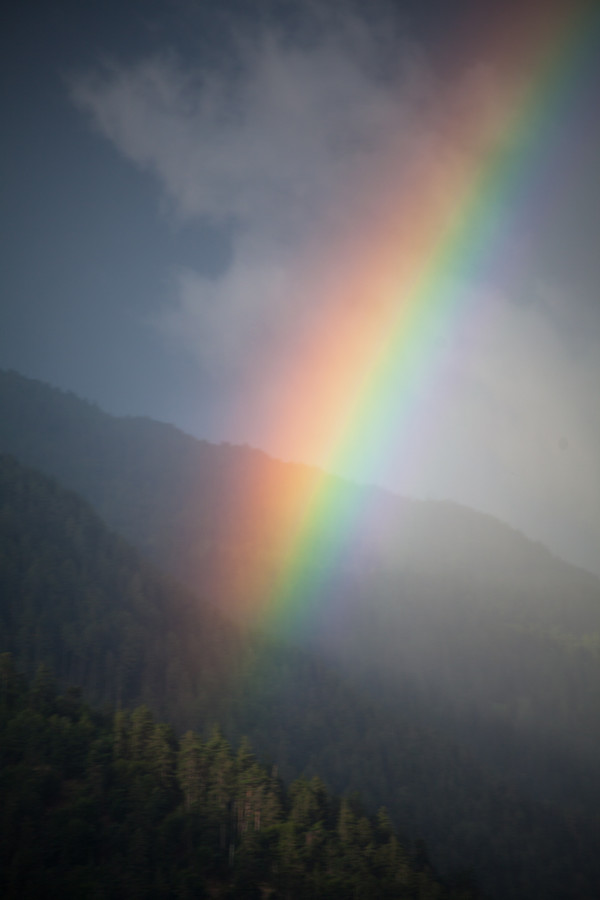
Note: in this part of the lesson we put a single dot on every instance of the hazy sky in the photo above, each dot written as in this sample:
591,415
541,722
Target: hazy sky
187,185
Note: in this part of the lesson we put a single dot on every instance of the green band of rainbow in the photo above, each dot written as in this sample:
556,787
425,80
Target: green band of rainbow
370,366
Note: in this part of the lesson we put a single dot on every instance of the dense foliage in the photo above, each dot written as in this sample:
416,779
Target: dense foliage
101,806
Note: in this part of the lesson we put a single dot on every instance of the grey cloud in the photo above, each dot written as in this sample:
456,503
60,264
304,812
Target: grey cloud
278,135
280,145
299,144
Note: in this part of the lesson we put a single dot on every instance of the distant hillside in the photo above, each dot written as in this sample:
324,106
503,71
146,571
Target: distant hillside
498,628
437,621
76,597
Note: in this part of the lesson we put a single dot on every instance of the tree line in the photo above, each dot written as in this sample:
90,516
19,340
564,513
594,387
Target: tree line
102,804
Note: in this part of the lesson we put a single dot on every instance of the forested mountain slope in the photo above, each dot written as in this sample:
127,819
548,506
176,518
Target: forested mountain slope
76,597
498,632
438,620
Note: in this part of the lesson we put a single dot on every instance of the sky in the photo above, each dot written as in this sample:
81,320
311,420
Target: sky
208,206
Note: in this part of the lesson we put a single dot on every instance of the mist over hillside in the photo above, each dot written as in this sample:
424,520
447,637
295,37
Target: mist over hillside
441,660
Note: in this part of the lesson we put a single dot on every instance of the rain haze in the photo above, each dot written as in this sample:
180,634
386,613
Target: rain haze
198,195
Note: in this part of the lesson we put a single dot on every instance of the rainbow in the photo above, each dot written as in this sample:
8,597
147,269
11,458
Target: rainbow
376,357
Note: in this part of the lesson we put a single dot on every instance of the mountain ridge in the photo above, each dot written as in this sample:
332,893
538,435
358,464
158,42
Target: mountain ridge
476,632
13,383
